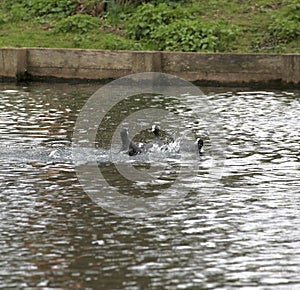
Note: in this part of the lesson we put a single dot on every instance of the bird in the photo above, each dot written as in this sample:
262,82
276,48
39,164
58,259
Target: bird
156,139
200,144
156,132
135,149
188,146
191,147
129,146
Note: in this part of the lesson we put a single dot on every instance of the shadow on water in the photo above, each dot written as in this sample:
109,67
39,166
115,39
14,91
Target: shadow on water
239,230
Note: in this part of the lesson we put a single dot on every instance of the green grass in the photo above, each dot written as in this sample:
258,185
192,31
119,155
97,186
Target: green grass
28,34
251,20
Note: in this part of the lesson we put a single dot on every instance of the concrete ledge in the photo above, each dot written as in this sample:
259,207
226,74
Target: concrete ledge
12,62
206,68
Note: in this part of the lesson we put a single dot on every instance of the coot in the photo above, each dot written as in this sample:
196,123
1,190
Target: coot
129,146
156,132
189,146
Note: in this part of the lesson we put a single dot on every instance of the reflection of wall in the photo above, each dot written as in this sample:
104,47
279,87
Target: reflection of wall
206,68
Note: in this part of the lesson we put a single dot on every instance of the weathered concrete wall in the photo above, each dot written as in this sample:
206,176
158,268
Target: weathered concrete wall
12,62
81,64
228,68
218,68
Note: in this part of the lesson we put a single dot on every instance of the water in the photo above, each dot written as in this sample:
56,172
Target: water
238,230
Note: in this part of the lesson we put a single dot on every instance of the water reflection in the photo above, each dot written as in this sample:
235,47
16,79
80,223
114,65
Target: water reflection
240,231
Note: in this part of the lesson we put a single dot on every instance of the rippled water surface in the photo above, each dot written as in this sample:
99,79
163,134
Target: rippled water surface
236,227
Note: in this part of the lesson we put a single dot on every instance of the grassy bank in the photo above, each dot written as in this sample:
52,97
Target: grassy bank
265,26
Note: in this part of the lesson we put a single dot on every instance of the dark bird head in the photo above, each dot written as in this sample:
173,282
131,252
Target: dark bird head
199,144
156,130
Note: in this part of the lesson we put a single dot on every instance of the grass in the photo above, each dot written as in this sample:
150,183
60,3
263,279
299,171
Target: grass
28,34
251,19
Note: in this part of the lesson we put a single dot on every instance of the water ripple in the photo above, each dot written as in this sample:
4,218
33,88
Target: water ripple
238,231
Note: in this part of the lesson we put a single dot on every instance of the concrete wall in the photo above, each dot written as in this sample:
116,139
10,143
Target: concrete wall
205,68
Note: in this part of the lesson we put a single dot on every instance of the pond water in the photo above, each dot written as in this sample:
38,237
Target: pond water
235,228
